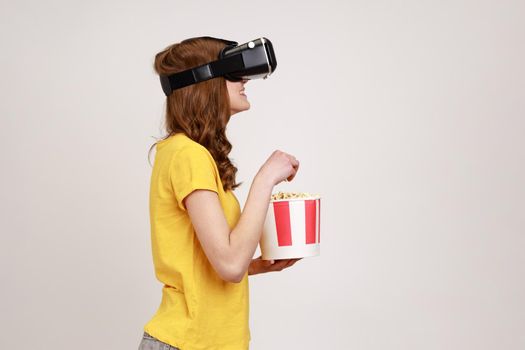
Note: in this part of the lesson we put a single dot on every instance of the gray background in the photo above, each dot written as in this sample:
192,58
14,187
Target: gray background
408,118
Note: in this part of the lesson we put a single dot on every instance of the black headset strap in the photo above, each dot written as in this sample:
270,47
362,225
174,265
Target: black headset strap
206,72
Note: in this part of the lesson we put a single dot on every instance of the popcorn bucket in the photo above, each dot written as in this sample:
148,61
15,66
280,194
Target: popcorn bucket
292,228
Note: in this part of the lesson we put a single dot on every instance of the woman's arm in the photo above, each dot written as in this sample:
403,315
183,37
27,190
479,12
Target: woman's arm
246,235
231,253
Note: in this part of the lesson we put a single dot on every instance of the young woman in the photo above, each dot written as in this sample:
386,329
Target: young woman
202,244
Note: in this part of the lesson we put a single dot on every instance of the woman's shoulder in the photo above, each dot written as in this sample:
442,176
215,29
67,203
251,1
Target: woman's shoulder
179,141
181,144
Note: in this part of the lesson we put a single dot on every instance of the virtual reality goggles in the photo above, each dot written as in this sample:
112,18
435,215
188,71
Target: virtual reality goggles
252,60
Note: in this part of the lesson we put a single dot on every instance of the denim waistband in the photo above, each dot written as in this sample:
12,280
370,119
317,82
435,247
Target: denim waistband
146,335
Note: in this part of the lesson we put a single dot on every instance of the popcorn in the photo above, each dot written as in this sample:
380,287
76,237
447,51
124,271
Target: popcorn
290,195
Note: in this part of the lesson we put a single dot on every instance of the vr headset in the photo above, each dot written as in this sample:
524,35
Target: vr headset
252,60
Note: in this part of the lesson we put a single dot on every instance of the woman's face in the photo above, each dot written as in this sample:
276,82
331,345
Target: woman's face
238,99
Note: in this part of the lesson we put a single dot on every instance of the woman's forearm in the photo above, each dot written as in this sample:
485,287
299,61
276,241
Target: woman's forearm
246,235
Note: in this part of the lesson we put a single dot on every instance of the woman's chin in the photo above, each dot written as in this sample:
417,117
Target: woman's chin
241,109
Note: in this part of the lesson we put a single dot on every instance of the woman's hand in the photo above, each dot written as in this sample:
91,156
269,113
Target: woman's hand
280,166
261,266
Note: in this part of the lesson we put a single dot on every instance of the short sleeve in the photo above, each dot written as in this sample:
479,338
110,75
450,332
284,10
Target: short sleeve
192,168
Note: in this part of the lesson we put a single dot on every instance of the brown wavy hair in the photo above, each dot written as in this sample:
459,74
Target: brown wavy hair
202,110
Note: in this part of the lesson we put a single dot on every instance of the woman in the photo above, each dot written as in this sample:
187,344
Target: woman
201,243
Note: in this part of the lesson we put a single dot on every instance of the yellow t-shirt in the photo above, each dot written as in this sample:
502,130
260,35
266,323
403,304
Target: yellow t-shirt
198,309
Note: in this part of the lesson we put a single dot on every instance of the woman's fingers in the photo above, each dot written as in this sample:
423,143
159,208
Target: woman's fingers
289,263
294,162
284,263
279,265
293,261
296,169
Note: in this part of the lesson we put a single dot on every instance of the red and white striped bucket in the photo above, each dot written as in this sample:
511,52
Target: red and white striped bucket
292,229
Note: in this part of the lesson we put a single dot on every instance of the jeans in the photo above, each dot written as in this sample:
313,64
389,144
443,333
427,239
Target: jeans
150,343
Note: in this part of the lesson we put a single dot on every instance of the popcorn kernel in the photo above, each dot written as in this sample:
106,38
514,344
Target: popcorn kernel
290,195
